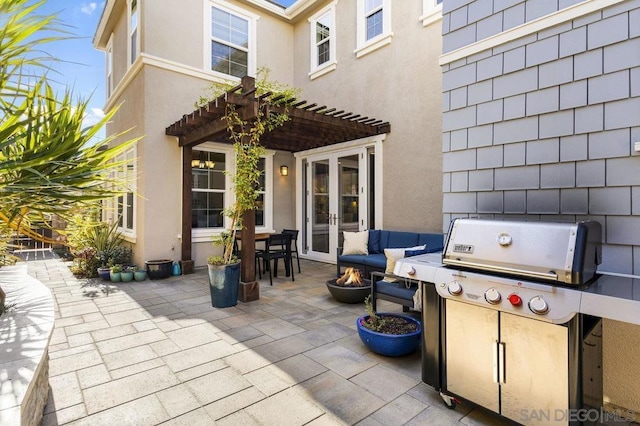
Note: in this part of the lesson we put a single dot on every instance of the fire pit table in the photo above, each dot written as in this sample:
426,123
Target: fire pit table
349,293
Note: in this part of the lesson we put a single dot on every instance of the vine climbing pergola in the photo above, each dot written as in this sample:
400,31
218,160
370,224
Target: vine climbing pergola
309,126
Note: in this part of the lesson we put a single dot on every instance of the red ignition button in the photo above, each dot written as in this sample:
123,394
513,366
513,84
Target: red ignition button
515,299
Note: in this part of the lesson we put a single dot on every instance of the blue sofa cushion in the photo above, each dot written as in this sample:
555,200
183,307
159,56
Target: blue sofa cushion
374,241
397,239
377,260
397,289
434,242
411,253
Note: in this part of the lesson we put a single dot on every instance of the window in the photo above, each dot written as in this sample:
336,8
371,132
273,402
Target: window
212,191
431,12
373,17
134,40
123,207
109,67
323,41
373,26
232,40
209,187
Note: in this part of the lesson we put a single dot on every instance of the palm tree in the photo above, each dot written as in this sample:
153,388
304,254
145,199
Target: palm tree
49,163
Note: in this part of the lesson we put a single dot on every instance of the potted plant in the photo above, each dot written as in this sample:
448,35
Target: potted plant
127,274
139,274
224,270
115,273
388,334
159,268
350,288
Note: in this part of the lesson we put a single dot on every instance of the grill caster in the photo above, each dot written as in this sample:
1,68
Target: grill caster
449,401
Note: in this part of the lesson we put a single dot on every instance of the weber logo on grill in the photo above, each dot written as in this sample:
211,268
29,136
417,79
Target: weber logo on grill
462,248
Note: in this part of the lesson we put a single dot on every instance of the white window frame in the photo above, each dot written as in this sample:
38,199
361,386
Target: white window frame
431,12
208,37
199,235
108,66
126,172
364,46
317,70
129,32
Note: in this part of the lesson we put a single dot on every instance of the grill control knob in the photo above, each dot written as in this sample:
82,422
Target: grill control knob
492,296
538,305
515,300
411,270
455,288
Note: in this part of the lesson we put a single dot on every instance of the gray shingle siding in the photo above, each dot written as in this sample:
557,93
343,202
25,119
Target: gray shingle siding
549,121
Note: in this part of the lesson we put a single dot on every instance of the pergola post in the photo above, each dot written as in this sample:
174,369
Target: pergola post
186,262
249,288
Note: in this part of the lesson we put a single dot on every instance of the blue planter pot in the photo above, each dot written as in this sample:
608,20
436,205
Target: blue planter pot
224,281
390,344
104,273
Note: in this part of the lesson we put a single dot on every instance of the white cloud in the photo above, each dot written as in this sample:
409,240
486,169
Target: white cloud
89,8
94,115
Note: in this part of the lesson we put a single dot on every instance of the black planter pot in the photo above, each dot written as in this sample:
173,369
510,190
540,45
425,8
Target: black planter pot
159,269
349,294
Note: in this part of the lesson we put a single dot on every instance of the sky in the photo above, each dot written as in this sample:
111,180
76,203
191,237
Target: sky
81,67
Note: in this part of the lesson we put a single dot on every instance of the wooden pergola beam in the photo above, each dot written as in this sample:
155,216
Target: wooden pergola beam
309,126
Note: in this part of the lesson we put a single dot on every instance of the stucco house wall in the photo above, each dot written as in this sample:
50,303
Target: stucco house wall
162,85
398,83
541,104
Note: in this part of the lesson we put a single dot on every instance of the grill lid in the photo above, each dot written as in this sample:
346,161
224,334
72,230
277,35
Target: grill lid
559,252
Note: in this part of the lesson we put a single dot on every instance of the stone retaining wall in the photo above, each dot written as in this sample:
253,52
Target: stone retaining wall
25,332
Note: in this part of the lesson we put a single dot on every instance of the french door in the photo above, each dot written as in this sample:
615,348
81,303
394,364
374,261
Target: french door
336,188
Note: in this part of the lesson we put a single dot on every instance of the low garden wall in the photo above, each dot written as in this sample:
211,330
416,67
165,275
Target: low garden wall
25,332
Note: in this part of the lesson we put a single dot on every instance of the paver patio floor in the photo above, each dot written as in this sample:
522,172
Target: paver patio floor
156,352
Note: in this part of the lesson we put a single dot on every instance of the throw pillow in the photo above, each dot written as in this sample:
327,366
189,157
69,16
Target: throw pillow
355,242
393,255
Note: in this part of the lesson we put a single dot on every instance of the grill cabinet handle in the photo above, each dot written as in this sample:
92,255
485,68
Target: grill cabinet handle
496,268
496,362
501,361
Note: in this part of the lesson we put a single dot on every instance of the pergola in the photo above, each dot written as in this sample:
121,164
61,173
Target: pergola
309,126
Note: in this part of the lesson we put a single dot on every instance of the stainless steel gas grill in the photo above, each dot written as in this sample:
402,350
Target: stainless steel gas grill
502,327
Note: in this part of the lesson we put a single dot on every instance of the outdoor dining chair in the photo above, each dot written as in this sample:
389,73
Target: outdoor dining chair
278,246
294,244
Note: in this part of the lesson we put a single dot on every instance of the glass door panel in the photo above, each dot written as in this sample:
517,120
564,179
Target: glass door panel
335,200
320,206
348,196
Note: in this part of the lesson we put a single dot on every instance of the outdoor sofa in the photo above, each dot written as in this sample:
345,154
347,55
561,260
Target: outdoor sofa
398,244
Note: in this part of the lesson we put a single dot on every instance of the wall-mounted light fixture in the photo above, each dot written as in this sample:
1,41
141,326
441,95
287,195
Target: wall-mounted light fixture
284,171
202,164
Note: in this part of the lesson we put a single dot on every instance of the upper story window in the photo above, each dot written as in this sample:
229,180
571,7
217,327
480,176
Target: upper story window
323,41
373,26
134,39
373,12
232,41
109,67
431,12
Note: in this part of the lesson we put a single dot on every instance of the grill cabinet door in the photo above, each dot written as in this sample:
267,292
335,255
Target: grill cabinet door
471,339
536,371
